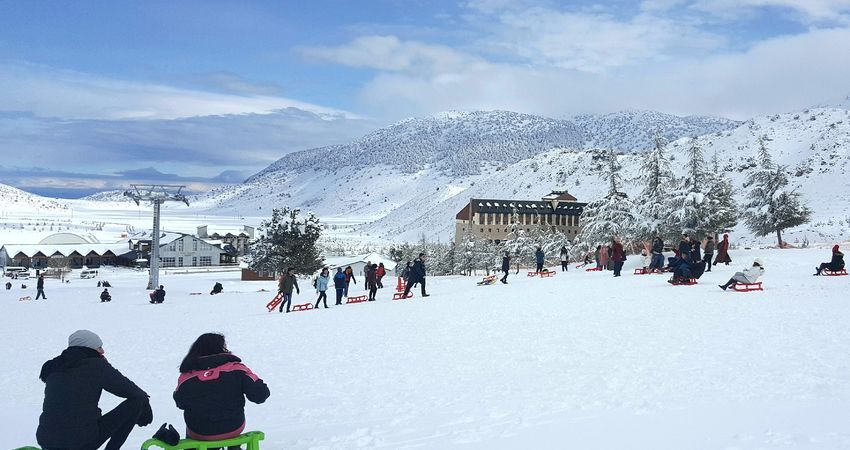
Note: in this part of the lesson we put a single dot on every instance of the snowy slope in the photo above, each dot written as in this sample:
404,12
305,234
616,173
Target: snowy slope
627,363
13,199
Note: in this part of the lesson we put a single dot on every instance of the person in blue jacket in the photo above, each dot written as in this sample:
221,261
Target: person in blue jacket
417,275
684,247
339,285
322,286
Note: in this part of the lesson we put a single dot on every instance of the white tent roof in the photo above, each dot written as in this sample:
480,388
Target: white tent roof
65,249
342,261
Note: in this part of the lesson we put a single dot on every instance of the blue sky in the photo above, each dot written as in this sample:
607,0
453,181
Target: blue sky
93,94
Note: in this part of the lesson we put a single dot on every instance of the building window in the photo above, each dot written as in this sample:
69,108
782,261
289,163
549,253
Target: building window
489,230
194,261
168,261
180,245
482,230
180,262
172,246
206,261
481,219
194,245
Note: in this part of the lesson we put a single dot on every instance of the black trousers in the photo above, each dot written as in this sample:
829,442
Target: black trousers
372,291
505,278
323,296
339,292
409,285
380,285
539,267
618,266
707,259
40,293
564,265
115,426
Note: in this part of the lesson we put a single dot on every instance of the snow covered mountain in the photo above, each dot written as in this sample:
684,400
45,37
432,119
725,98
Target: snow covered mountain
14,199
380,195
630,131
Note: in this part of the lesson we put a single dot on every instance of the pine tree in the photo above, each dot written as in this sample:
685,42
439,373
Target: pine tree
656,176
773,206
722,208
688,205
287,241
610,216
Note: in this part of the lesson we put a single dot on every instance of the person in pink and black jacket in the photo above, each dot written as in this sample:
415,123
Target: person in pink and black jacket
212,388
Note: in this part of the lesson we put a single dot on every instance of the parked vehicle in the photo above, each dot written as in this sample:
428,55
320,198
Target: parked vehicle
88,273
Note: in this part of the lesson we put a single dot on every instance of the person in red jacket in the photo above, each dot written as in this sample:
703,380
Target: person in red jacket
723,251
618,256
212,388
381,271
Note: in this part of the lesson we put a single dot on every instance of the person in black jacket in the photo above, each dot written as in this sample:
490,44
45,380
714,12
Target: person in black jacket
506,267
372,280
105,296
212,388
39,288
835,264
73,384
656,261
217,289
158,296
685,247
417,275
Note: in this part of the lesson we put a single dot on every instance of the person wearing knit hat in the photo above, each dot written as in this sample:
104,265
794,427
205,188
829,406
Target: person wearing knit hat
834,265
74,382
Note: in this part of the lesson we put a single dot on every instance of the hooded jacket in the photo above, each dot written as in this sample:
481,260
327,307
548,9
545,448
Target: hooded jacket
73,383
211,391
322,283
339,280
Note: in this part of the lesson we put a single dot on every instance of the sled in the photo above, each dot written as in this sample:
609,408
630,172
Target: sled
275,302
400,295
401,285
28,448
487,280
196,293
304,307
25,298
830,273
547,274
642,271
593,269
747,287
251,439
690,282
357,299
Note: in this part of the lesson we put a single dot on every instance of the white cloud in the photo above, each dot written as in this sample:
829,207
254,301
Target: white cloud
805,10
50,92
389,53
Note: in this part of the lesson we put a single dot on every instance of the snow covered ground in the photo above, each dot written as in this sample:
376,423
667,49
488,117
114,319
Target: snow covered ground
580,360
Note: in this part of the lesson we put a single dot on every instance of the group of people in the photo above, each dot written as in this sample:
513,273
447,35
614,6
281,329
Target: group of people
212,386
413,273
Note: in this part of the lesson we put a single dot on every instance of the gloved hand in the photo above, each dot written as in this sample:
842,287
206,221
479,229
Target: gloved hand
168,435
146,417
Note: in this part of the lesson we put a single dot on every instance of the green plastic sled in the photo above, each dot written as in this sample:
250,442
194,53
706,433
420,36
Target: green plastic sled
28,448
252,438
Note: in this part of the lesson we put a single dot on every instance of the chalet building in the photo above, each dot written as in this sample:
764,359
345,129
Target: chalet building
491,219
238,238
185,250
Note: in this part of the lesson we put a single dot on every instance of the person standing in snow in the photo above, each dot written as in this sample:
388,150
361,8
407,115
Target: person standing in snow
506,267
39,288
539,258
618,256
212,388
322,286
405,273
597,256
747,276
349,277
565,259
603,257
834,265
372,281
339,285
287,283
723,251
380,275
708,253
417,275
73,384
365,270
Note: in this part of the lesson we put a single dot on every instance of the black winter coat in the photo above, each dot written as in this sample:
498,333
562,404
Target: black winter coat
658,246
73,382
684,249
371,279
417,272
211,391
837,262
506,263
40,283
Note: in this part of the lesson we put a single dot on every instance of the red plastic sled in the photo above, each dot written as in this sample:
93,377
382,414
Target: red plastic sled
400,295
641,271
357,299
275,302
593,269
747,287
304,307
829,273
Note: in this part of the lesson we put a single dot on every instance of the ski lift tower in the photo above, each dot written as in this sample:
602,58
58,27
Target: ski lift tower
157,194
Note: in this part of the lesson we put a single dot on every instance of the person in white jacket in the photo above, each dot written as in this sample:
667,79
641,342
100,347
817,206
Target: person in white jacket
749,275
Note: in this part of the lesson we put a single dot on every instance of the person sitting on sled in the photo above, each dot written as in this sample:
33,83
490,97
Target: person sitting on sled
749,275
835,265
